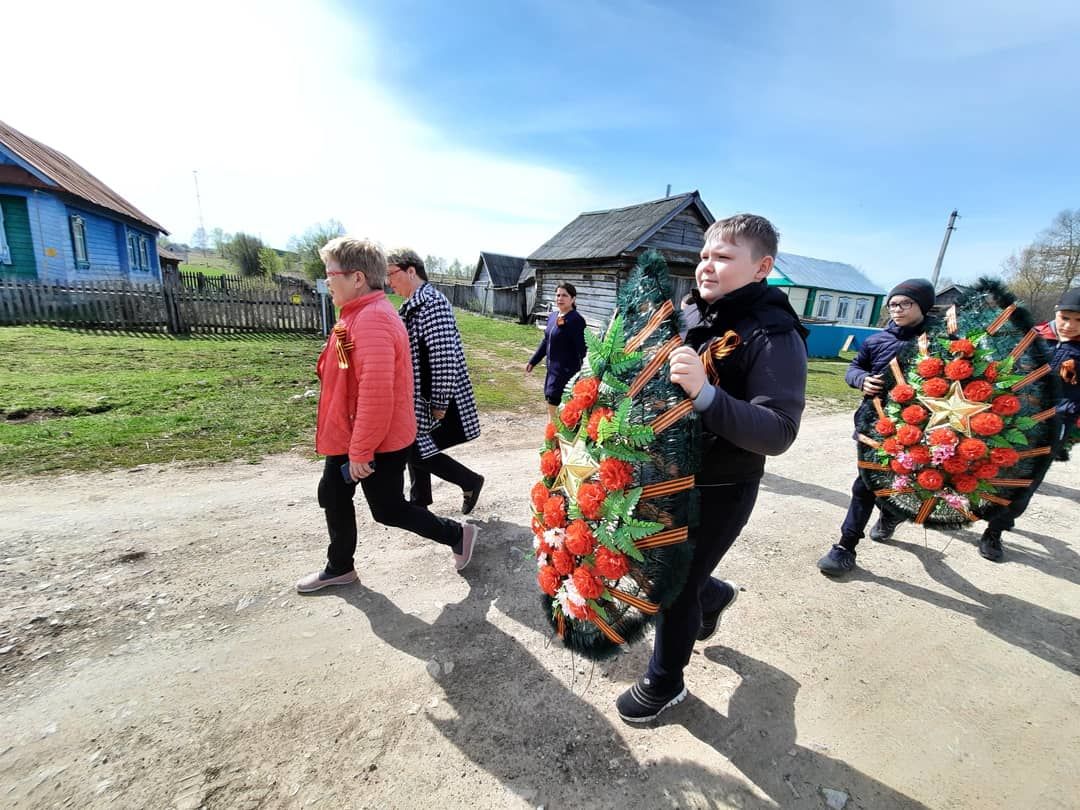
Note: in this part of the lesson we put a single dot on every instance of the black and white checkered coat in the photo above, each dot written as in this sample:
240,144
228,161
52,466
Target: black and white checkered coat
437,353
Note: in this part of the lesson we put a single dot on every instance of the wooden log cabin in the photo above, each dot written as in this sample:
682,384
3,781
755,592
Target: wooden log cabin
598,249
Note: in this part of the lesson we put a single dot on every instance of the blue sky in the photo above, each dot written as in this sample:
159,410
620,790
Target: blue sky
475,126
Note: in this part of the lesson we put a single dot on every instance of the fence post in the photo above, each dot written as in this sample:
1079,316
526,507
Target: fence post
170,285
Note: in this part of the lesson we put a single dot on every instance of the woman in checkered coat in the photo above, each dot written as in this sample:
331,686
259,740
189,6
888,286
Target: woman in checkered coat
444,402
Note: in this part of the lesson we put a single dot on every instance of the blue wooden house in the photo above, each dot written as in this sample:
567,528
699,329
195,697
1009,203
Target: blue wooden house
59,223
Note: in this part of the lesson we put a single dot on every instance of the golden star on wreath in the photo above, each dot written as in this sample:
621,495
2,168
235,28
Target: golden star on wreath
955,410
577,466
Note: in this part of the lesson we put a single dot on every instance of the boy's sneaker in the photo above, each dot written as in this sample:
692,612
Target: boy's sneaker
320,579
882,530
463,551
838,561
990,545
711,619
470,498
643,701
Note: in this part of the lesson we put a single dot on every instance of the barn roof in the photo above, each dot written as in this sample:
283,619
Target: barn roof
610,233
803,271
68,175
504,270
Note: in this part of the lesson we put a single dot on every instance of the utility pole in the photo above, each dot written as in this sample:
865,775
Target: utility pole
198,202
944,244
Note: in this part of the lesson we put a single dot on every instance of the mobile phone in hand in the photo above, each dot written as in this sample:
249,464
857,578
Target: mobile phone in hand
346,474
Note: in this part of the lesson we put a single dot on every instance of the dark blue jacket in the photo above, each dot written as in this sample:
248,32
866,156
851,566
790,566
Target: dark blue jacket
878,349
1066,362
564,346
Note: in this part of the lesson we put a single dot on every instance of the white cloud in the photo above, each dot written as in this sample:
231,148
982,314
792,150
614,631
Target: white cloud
279,110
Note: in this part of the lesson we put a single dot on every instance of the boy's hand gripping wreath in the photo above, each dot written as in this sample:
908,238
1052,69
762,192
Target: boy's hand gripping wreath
968,418
612,511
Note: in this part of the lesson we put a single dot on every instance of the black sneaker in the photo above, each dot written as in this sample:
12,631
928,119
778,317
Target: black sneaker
470,498
990,545
642,702
711,619
882,530
838,561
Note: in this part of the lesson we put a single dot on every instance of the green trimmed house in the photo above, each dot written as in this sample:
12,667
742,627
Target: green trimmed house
828,292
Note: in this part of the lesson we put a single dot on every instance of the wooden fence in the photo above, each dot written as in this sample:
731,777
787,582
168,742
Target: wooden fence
173,306
505,301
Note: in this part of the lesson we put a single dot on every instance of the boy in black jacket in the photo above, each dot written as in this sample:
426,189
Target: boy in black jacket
752,411
908,303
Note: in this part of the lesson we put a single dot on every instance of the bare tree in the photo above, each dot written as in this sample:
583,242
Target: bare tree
1047,267
307,245
1060,246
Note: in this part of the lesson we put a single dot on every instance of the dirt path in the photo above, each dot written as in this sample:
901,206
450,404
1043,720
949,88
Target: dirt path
153,654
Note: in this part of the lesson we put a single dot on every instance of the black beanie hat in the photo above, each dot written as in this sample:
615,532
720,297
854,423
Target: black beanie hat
918,290
1070,300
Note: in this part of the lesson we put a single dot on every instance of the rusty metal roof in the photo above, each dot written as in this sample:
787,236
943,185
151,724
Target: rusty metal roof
69,176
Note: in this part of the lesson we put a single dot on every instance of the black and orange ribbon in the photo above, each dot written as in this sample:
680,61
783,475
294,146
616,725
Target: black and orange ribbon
342,344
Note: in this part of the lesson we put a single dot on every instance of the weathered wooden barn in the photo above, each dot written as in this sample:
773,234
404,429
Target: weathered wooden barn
497,281
597,250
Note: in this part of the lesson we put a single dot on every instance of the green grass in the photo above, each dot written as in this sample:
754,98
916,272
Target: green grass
78,401
212,264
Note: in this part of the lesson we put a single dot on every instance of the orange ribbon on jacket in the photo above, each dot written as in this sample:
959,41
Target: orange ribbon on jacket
343,344
716,350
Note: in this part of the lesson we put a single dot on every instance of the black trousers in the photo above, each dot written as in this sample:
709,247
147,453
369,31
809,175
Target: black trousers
858,515
384,492
1007,519
441,466
724,512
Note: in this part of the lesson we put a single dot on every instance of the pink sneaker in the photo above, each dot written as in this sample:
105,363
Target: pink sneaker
468,543
320,579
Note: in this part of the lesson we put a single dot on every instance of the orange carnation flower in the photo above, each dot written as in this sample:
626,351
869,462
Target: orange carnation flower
985,469
942,436
987,424
899,467
892,446
914,414
965,483
555,512
971,449
563,561
550,463
1005,405
538,496
930,367
1004,456
920,454
611,564
616,474
954,465
549,432
959,369
571,413
590,498
991,372
579,538
902,393
931,479
962,346
908,435
978,390
885,427
594,422
935,387
585,391
588,584
549,580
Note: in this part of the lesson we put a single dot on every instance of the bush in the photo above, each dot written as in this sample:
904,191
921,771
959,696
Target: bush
244,251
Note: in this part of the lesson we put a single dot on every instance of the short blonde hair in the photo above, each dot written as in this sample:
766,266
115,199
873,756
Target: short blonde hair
357,256
750,230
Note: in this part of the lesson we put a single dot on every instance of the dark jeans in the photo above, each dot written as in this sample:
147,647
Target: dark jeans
383,490
858,515
724,512
441,466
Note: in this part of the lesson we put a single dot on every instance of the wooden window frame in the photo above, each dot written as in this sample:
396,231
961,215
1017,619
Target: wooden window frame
78,241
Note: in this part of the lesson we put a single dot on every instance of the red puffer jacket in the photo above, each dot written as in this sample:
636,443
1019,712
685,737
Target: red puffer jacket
367,408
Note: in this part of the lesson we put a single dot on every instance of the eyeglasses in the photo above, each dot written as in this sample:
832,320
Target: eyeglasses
331,273
395,270
899,306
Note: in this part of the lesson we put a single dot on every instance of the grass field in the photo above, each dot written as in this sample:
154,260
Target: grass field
78,401
212,264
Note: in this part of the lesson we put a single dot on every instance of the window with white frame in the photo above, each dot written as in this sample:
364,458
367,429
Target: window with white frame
824,304
133,251
144,253
860,309
78,241
842,307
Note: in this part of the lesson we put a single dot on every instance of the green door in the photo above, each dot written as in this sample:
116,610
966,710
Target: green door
19,240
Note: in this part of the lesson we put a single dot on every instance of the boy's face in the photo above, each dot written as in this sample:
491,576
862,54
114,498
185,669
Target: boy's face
726,267
904,311
1068,324
344,287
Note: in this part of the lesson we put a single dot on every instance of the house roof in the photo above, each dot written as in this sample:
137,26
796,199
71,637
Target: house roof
606,234
165,253
803,271
504,270
68,175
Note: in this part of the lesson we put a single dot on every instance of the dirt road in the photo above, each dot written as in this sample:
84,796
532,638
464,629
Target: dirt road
153,654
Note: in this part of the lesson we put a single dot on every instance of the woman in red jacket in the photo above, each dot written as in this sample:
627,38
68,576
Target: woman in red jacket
366,425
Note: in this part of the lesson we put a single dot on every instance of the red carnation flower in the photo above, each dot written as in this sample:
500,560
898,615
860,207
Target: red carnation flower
942,436
930,479
954,465
962,346
549,432
959,370
965,483
892,446
914,414
588,584
582,612
549,580
984,470
590,498
908,435
571,413
971,449
991,372
579,538
1004,456
1005,405
899,467
987,424
920,454
537,527
563,561
585,391
555,512
538,496
594,422
543,549
885,427
935,387
902,393
930,367
978,390
616,474
611,564
550,463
